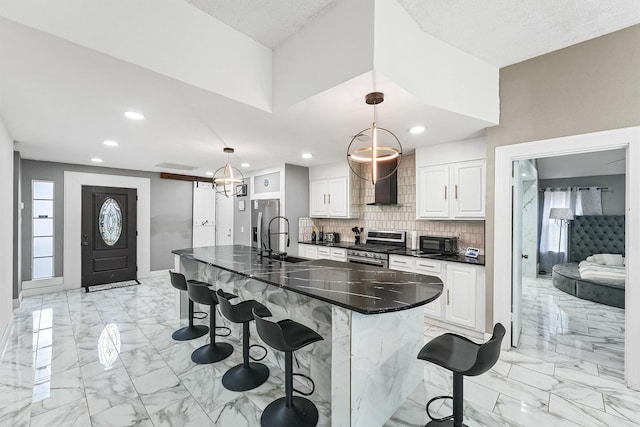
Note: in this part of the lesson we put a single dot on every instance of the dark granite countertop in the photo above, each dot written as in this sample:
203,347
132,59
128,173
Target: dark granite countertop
361,288
450,258
331,245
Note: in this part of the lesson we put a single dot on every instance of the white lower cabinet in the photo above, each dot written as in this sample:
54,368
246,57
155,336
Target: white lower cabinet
322,252
461,294
462,302
308,251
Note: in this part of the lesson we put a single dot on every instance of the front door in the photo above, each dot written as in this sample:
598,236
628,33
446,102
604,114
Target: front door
108,235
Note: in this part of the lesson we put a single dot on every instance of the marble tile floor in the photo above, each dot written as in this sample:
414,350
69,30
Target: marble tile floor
567,370
107,359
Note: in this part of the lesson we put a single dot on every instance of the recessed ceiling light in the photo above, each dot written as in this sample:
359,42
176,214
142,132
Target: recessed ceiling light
209,173
307,155
96,160
111,143
134,115
245,165
416,129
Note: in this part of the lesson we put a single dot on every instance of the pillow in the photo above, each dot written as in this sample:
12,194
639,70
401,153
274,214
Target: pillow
608,259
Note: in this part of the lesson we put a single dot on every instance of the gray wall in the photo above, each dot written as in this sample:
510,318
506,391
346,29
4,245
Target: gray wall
296,198
588,87
171,211
17,232
242,219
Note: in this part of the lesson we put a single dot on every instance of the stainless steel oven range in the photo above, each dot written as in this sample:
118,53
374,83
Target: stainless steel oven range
375,251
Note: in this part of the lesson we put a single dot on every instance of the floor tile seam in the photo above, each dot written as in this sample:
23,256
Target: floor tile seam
619,415
84,397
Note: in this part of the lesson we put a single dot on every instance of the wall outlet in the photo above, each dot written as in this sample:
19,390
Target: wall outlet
242,229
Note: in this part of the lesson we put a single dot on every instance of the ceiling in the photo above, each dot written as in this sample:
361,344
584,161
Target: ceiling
610,162
60,100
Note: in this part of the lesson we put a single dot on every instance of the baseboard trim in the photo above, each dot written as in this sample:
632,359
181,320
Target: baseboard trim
17,301
42,286
155,273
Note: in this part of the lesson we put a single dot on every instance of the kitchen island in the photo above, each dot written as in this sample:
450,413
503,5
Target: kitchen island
372,321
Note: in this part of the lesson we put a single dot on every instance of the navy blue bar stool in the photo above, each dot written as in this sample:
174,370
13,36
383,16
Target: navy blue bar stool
192,331
464,358
247,375
212,352
288,336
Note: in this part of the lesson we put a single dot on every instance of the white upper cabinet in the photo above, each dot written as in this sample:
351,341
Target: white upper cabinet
433,185
330,191
451,190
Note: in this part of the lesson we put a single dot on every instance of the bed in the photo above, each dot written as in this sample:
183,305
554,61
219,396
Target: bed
601,234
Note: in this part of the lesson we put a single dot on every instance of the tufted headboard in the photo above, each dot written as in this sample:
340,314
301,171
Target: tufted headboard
596,234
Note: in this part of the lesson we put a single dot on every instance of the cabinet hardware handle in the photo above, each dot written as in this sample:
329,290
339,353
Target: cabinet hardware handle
525,256
400,262
324,197
445,192
456,191
329,198
447,296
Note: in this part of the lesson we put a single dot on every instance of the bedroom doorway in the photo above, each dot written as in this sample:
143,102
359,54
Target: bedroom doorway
503,224
560,315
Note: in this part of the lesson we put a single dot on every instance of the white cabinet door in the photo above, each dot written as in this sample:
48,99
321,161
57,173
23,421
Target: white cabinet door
460,295
338,197
310,251
468,192
437,269
318,198
324,252
433,187
402,263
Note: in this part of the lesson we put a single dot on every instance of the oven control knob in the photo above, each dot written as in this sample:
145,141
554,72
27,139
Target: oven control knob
376,256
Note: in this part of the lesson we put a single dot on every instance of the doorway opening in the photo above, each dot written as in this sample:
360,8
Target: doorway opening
627,139
562,208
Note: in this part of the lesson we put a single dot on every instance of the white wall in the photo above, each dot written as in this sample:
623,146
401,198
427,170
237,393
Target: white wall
6,230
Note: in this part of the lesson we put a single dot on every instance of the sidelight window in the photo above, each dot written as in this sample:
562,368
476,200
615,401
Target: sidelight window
42,229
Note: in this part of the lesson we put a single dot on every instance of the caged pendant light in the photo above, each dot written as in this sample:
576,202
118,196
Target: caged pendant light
228,180
374,145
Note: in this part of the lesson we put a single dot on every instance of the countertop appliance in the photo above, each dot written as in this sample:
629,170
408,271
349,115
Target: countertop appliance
262,212
377,247
438,245
331,237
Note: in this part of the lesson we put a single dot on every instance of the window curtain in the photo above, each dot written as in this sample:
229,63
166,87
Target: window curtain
554,235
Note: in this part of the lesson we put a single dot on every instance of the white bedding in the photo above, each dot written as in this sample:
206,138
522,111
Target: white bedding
595,271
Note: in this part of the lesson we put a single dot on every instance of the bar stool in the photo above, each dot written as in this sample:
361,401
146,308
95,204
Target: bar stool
192,331
464,358
212,352
247,375
288,336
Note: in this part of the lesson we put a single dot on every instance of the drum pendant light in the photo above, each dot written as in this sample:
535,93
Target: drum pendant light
228,180
374,145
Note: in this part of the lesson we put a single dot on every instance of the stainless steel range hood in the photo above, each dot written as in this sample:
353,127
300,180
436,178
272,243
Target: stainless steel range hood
386,190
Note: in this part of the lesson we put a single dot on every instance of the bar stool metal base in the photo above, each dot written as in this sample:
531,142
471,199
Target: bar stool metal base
303,413
190,332
241,378
210,353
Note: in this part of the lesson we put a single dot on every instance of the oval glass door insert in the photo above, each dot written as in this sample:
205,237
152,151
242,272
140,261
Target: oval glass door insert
110,221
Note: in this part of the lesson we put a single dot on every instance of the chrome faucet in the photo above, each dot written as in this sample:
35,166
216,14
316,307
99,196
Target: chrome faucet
269,233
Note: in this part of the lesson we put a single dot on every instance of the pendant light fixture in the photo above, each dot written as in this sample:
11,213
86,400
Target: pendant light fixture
374,145
228,180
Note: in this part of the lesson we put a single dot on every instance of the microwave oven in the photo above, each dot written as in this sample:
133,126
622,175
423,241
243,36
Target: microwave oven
438,245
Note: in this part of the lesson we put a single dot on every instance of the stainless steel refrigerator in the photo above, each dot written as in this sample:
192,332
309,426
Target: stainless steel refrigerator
262,212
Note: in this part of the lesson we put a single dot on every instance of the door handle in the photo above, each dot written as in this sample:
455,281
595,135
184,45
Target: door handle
329,198
324,197
445,192
456,191
85,244
447,296
525,256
